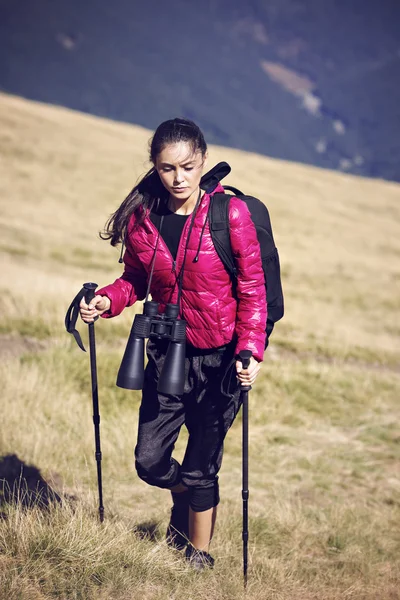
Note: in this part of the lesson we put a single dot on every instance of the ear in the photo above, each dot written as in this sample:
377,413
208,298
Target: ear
205,160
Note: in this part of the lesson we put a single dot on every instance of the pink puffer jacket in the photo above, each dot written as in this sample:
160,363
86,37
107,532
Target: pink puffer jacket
214,316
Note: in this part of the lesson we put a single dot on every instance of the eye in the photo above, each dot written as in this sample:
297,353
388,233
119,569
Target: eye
188,168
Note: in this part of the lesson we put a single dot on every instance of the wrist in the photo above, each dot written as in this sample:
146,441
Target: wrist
106,303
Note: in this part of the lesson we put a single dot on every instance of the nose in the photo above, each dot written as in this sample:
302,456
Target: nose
178,176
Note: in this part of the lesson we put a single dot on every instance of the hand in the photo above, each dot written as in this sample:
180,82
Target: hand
97,306
249,375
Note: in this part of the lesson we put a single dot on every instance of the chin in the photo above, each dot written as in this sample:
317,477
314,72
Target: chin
181,197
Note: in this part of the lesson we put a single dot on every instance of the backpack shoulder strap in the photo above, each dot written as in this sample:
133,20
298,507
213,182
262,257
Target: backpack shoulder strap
234,190
219,228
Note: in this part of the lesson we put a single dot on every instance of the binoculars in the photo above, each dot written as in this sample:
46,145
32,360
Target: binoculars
164,326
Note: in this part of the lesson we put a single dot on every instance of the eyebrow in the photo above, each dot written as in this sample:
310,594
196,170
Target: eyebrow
190,162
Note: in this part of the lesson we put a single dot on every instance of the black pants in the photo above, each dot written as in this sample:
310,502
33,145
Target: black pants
208,407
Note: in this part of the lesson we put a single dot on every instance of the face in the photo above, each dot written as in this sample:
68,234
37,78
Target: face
180,170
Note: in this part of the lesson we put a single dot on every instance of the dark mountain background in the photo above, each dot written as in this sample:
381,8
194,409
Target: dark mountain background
315,81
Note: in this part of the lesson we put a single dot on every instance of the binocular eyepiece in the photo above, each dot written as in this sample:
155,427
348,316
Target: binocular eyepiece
164,326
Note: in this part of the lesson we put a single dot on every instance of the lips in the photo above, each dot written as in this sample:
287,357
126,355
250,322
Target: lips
179,189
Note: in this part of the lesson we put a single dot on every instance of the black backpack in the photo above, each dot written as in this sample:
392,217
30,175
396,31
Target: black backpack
219,228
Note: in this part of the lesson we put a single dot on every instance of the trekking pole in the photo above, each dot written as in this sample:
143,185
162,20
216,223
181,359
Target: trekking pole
89,295
245,356
88,292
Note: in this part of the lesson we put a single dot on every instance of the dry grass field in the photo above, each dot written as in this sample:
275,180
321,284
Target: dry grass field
325,412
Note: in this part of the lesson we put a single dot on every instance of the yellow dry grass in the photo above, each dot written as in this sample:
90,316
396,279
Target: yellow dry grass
324,476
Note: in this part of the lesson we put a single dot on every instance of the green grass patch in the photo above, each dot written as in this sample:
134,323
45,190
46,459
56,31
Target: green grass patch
388,433
338,394
14,251
72,366
28,327
314,348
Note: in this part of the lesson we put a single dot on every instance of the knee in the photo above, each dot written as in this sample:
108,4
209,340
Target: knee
154,469
146,465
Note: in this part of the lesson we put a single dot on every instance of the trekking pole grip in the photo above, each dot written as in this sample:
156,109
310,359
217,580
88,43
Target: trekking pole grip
90,292
245,356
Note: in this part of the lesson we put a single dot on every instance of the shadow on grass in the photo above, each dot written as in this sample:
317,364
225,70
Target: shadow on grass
148,530
23,484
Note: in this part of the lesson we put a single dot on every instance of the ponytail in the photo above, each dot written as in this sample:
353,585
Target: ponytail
144,194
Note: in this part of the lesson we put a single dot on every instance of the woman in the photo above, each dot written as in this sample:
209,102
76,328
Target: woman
164,224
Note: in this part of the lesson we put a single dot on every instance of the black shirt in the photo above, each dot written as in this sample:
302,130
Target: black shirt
172,226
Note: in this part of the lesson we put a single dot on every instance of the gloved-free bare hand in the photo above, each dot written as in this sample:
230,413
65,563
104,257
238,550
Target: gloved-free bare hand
249,375
96,307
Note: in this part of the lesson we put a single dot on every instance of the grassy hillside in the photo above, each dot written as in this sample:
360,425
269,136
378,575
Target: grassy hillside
325,436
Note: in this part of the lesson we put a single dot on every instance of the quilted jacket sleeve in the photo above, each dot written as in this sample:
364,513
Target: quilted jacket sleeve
251,314
128,288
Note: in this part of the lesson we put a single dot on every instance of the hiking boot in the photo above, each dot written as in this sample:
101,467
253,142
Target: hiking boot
199,559
177,535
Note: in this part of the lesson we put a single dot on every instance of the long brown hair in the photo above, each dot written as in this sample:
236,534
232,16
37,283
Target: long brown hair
150,188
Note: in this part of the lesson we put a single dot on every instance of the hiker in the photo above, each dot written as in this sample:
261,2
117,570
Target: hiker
163,223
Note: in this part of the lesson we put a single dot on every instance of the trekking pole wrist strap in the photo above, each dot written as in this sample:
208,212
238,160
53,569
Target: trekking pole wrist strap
87,292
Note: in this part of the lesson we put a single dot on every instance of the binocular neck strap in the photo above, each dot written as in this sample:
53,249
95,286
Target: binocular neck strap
180,278
153,260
